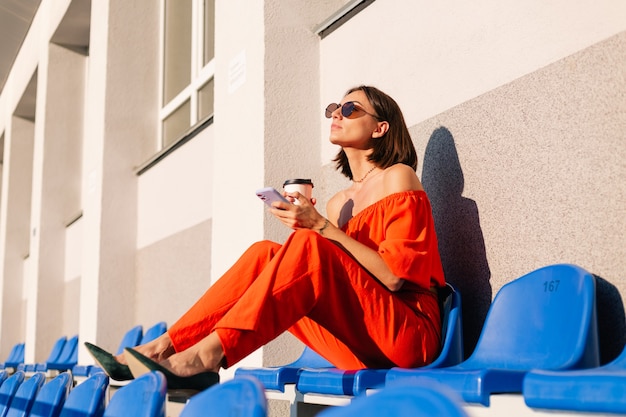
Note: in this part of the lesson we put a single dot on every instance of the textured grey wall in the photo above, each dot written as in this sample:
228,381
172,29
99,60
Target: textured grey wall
172,275
530,174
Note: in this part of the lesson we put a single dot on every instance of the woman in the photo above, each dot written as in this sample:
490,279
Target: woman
359,287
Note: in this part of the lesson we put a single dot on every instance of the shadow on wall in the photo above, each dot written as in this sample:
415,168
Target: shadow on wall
611,320
461,242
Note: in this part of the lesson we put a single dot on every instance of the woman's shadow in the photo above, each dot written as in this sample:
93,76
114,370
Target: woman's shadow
461,242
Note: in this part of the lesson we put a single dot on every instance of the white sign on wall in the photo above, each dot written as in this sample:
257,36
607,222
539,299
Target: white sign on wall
237,72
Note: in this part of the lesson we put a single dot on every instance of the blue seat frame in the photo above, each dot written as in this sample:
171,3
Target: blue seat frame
543,320
356,382
275,378
601,389
7,391
53,356
411,400
142,397
15,357
87,399
68,357
25,395
243,396
153,332
131,339
51,396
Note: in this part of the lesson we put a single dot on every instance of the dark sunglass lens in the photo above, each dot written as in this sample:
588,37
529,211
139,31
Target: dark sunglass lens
347,109
330,109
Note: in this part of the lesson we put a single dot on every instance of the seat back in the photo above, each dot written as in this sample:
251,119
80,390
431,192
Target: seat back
25,396
310,359
545,319
51,396
88,398
451,330
143,397
15,357
57,348
131,339
8,390
154,332
68,357
411,400
12,353
242,397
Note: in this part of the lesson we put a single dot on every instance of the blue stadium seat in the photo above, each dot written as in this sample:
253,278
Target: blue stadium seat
7,391
15,357
411,400
276,377
53,356
131,339
153,332
150,334
68,357
87,399
543,320
356,382
51,396
142,397
25,396
601,390
243,396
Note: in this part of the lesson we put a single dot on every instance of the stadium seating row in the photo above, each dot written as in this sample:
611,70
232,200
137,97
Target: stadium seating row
539,340
64,354
143,397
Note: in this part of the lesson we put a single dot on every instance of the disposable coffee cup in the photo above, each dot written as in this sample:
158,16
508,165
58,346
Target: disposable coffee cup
303,186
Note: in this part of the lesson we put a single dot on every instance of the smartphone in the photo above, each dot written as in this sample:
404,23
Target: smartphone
269,195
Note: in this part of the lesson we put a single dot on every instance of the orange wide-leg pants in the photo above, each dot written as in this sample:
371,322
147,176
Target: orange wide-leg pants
315,290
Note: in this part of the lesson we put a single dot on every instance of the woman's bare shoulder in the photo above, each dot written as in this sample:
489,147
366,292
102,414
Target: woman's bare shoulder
401,177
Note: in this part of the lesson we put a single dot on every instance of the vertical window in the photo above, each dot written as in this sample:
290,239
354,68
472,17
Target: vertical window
205,100
177,48
188,38
176,123
209,32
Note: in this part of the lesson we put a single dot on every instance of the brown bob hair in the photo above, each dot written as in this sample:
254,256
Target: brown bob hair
392,148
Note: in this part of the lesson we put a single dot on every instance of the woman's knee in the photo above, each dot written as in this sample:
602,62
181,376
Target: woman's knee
265,248
306,236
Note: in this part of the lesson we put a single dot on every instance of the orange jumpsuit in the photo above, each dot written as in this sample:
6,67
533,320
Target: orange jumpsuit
312,288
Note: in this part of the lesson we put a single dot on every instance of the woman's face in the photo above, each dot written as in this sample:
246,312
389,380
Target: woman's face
355,130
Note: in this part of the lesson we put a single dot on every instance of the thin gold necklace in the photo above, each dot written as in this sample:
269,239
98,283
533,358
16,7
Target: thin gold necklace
364,176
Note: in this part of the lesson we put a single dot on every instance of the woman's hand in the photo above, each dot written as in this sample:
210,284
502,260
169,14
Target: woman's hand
298,216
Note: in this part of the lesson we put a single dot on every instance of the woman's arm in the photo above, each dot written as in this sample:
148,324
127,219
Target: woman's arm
397,178
367,257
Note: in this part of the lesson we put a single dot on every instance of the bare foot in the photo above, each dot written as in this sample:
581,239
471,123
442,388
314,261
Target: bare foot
206,355
158,349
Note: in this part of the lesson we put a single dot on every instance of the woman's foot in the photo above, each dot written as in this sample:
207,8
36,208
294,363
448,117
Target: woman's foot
198,381
205,356
158,349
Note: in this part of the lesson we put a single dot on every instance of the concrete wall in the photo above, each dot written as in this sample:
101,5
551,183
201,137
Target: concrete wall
517,111
531,174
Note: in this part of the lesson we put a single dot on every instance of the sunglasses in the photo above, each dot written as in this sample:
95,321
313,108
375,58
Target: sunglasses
347,109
